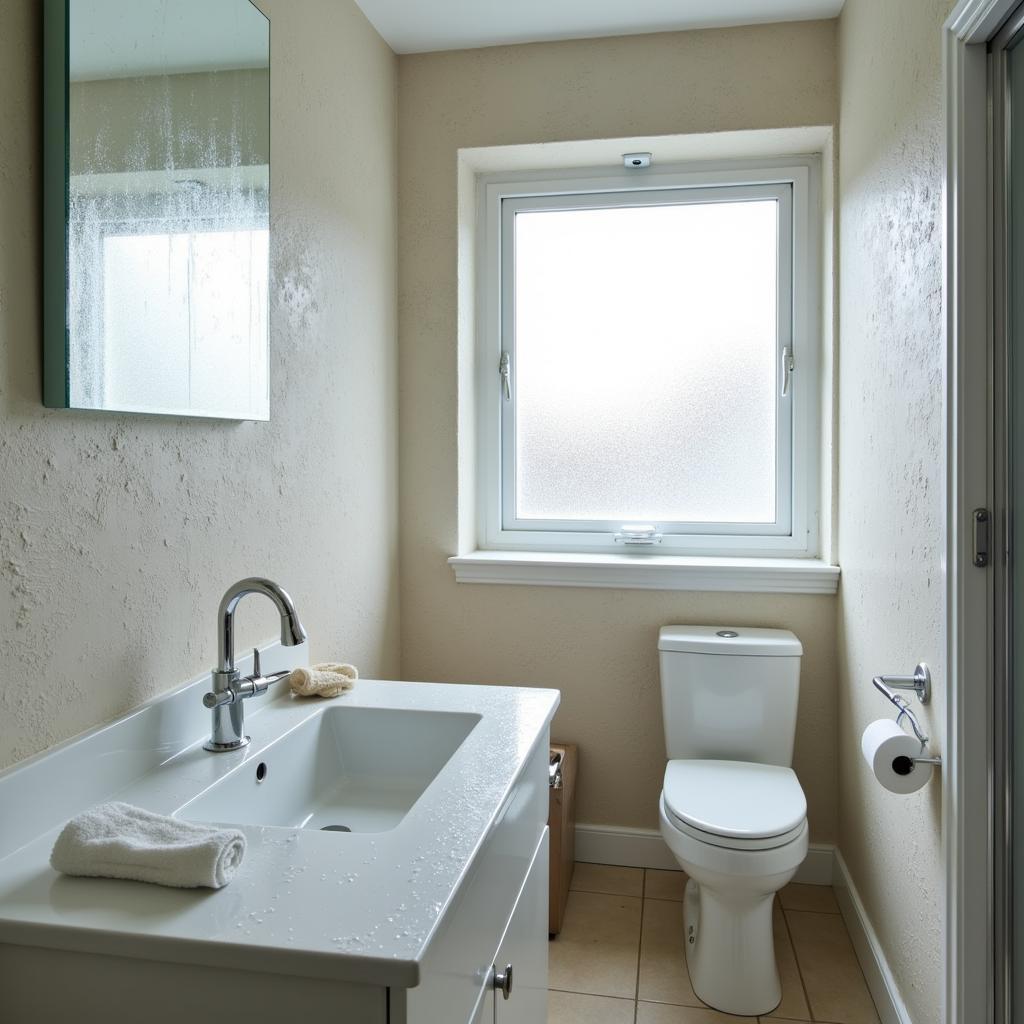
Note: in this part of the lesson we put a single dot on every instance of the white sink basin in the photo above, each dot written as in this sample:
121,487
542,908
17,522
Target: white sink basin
348,769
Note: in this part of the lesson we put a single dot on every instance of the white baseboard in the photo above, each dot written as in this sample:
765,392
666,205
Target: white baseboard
818,867
628,847
882,984
644,848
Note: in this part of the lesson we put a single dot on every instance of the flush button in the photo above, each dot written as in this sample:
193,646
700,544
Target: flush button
727,633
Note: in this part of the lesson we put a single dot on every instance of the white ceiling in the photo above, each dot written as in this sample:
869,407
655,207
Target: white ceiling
417,26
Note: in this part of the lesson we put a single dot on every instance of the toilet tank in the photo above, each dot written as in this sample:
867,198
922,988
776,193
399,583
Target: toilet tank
729,693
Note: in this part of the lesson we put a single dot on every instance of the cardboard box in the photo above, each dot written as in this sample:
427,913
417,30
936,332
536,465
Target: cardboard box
562,823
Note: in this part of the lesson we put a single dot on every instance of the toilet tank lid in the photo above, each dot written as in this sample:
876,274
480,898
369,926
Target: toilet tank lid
731,640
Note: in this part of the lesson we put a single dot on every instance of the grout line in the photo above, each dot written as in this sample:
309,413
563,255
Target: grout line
605,892
643,902
639,946
796,959
592,995
864,977
820,913
800,970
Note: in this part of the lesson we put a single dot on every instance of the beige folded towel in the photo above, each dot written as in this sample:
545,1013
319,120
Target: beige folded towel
326,680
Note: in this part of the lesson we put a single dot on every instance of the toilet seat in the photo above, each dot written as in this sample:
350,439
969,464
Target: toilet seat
735,805
728,843
694,851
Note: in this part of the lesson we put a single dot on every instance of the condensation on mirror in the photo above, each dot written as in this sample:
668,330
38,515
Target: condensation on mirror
167,231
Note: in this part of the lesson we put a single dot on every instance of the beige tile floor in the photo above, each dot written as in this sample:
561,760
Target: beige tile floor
619,958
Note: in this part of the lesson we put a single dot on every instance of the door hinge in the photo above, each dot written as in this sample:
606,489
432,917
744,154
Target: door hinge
981,537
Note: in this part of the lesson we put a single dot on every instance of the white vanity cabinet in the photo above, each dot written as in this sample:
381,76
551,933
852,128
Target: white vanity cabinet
408,925
485,1009
499,919
496,916
520,966
524,948
521,957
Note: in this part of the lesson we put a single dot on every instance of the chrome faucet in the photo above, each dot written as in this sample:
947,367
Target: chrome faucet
229,689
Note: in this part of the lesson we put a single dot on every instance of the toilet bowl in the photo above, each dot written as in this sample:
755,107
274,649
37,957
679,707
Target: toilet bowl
727,916
731,809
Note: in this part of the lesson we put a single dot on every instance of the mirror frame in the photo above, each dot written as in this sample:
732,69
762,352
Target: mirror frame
56,226
56,138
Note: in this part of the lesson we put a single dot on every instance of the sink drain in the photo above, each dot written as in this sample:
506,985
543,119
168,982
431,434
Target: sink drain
335,828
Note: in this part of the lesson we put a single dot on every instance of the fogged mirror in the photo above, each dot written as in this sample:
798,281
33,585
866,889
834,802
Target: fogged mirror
158,115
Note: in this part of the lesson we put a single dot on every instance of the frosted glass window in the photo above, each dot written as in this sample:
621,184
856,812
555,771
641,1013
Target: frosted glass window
646,363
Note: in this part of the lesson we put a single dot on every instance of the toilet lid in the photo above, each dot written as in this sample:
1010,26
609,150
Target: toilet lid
735,799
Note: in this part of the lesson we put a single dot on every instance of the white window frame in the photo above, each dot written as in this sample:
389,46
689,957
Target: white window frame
793,180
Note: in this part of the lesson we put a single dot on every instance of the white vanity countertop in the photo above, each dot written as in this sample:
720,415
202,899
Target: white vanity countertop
355,907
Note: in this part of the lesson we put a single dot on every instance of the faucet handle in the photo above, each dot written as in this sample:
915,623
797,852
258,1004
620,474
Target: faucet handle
257,683
257,677
218,699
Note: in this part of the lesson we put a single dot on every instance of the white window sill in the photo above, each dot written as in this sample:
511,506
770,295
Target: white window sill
648,572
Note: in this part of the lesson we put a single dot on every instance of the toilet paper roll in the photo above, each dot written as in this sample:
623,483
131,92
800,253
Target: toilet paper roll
887,749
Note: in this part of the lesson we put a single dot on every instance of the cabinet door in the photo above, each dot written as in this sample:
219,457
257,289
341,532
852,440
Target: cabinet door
485,1008
524,947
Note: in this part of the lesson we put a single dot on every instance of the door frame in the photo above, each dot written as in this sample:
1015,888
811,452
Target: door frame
969,834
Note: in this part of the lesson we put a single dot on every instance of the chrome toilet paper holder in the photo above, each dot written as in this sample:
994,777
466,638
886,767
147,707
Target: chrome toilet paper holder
921,683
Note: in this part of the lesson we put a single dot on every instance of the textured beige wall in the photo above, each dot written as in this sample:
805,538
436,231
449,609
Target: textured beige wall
118,534
892,459
597,646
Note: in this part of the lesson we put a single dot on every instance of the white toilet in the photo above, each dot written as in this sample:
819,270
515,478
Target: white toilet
732,810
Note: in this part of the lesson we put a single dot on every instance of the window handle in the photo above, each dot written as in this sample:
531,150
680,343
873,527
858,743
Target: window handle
788,366
641,534
505,369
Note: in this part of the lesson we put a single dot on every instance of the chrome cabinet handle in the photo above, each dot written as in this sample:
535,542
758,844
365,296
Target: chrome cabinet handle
503,981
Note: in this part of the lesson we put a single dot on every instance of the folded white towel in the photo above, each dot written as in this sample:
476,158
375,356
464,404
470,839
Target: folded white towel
325,680
118,840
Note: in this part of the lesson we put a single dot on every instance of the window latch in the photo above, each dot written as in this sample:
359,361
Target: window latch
788,366
505,370
637,533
